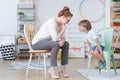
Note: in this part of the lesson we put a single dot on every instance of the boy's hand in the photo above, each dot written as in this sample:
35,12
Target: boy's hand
101,52
91,51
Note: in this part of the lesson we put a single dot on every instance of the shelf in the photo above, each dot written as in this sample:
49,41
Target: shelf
115,15
26,8
23,41
26,20
25,14
117,6
26,5
115,23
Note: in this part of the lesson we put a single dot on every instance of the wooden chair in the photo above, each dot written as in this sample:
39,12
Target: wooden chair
29,32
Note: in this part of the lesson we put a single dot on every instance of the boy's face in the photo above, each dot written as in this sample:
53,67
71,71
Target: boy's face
82,29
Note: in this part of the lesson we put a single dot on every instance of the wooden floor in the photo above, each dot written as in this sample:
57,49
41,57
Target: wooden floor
7,74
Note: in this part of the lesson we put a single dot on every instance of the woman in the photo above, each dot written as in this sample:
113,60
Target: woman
51,37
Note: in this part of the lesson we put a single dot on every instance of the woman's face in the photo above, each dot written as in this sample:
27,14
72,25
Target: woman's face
65,20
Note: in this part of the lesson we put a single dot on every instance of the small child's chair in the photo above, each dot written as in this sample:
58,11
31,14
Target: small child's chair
107,35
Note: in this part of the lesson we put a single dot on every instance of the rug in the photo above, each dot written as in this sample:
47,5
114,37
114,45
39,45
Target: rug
94,74
23,65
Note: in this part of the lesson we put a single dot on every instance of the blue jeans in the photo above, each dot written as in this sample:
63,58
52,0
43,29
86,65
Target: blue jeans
95,48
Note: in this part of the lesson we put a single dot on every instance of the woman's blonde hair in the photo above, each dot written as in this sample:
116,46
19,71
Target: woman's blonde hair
65,12
85,23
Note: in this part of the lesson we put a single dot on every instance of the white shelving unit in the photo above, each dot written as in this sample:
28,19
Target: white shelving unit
26,14
115,15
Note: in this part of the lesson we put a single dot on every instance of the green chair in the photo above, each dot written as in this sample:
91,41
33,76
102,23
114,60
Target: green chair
107,34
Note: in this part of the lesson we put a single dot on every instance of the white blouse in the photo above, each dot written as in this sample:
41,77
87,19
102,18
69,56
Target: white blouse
49,30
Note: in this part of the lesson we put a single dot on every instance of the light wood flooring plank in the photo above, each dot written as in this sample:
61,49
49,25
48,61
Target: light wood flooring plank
7,74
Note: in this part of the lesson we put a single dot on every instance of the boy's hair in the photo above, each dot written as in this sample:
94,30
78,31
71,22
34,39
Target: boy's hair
85,23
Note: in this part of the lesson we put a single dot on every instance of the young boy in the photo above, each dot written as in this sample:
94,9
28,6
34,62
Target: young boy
93,40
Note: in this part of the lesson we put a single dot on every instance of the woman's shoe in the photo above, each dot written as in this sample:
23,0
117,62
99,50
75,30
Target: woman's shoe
52,75
65,75
63,71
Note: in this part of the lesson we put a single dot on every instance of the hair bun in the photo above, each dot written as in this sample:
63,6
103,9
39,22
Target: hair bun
66,8
65,12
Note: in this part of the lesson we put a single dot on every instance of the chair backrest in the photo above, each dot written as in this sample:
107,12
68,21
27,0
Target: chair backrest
29,32
107,33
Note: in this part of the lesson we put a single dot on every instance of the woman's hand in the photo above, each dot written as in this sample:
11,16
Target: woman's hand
61,42
63,27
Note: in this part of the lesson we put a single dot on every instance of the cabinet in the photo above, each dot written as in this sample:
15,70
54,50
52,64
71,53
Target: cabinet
22,48
115,23
25,14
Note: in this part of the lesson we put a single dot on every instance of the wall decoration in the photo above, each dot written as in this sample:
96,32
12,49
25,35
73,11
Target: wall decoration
83,17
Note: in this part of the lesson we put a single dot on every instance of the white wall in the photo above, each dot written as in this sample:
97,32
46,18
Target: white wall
8,17
8,21
107,13
46,9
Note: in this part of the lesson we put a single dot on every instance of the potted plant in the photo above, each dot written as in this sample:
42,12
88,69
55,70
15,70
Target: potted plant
21,15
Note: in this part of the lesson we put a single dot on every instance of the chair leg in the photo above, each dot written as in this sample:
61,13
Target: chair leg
29,64
99,67
89,63
39,60
108,66
114,65
45,68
